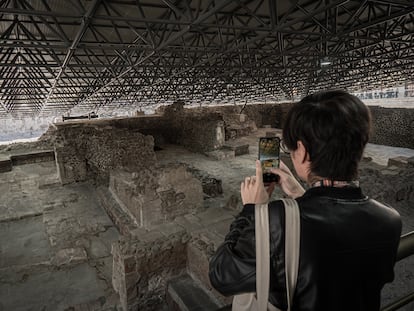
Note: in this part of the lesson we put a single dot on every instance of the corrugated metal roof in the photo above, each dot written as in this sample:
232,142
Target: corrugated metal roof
57,55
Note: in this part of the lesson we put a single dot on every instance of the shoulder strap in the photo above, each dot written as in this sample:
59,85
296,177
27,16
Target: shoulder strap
262,255
292,247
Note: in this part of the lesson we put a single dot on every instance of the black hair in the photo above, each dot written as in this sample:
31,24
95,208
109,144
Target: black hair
334,127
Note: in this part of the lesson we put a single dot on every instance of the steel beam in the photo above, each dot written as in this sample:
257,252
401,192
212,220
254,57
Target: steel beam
84,26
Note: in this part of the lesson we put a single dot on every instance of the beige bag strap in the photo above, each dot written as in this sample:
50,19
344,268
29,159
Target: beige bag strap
262,255
292,247
248,301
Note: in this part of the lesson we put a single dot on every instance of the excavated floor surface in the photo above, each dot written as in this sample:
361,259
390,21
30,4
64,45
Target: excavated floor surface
55,243
55,240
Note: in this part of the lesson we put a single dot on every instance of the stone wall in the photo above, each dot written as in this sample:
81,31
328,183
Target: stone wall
147,260
393,126
390,126
268,114
260,114
199,132
235,124
85,151
141,268
393,186
93,148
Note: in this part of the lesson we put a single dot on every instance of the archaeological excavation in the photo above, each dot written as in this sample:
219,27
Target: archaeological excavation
128,130
126,212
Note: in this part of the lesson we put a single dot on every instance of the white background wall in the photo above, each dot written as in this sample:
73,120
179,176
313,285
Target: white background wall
29,127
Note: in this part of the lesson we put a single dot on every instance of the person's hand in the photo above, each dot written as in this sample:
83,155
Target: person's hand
288,182
270,187
252,188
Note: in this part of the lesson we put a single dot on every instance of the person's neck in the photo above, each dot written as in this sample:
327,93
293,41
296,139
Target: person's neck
317,181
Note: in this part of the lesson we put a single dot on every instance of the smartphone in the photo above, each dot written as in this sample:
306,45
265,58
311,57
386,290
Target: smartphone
269,156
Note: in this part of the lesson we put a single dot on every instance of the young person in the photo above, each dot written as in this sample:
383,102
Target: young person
348,241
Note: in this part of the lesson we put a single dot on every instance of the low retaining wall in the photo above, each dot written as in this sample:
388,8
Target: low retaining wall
8,161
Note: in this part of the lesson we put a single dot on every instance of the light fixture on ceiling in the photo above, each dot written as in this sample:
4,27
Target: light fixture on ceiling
325,61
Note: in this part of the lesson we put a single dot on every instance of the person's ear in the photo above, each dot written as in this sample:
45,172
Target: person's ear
302,152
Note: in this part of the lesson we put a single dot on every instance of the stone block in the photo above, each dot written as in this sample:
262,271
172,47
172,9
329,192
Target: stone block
222,154
238,148
271,134
235,131
399,161
155,197
185,191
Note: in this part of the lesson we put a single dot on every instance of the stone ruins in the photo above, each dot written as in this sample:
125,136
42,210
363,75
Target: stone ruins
124,214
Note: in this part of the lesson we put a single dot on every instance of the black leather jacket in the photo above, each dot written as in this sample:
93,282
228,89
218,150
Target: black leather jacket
347,253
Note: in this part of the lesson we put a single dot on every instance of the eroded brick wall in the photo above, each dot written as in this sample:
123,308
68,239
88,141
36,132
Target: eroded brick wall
82,149
199,132
141,268
392,126
391,185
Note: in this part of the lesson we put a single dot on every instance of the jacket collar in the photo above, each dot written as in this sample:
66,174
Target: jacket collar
344,193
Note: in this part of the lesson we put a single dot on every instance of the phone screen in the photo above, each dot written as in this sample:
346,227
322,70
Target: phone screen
269,152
